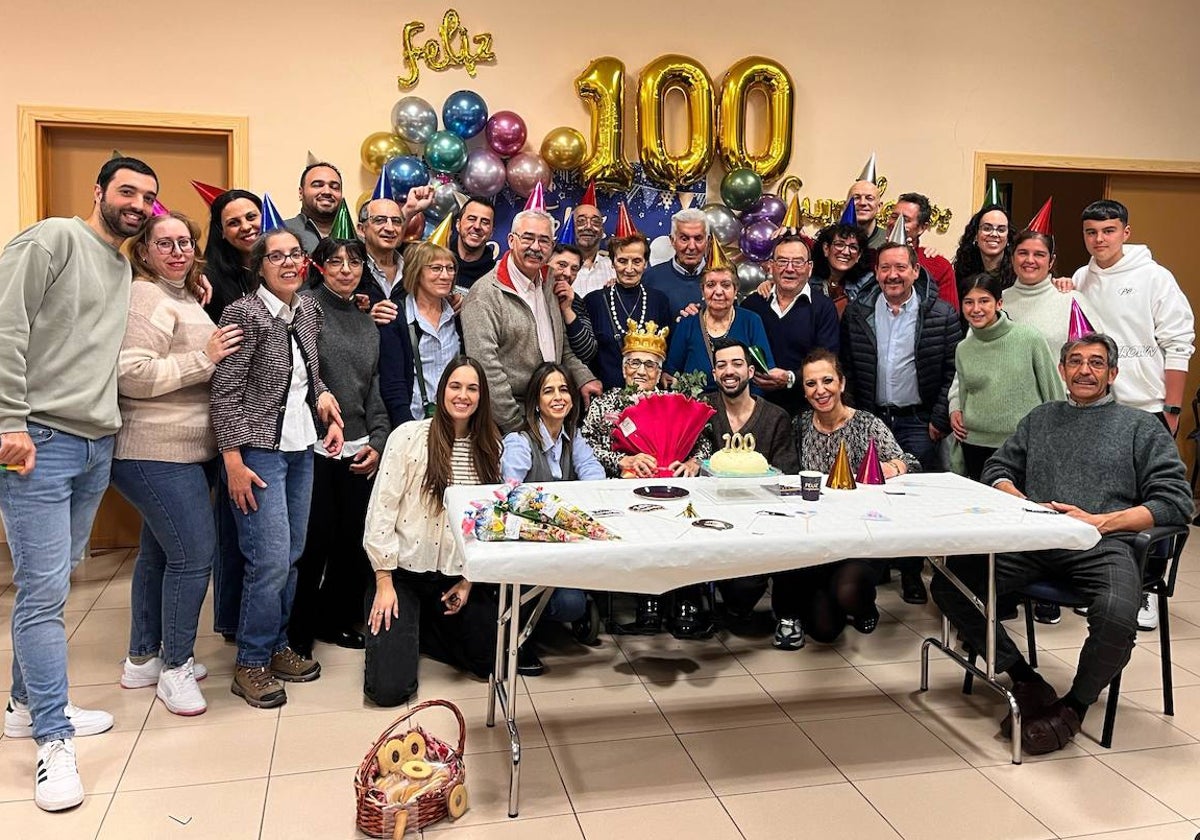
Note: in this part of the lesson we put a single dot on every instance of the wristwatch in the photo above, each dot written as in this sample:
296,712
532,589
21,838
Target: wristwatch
1172,409
792,380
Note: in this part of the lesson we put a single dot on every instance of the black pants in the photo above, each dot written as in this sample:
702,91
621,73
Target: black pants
825,597
1106,574
466,640
974,457
333,572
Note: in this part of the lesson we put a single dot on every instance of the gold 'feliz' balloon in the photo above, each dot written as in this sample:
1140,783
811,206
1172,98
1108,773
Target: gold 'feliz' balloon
663,74
379,148
564,148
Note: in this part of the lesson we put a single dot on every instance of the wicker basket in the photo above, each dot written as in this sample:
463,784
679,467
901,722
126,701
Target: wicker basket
375,817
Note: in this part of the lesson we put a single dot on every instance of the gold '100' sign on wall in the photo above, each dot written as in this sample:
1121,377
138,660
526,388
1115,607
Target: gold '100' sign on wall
715,126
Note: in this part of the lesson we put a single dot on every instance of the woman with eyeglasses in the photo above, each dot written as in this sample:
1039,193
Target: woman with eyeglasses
165,457
269,408
840,263
333,572
986,246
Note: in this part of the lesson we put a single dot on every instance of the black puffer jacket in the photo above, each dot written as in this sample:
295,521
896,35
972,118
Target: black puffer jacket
938,334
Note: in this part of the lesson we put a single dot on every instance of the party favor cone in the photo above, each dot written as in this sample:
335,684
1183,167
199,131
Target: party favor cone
840,477
849,217
589,195
1080,325
1041,222
158,208
537,198
271,220
793,218
868,171
566,231
208,192
715,258
312,159
383,188
870,471
992,197
898,234
343,225
441,233
625,225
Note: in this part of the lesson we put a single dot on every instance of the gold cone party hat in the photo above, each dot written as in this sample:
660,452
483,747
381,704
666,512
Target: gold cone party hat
841,477
441,233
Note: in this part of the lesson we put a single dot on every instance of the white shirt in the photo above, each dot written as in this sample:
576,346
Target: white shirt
599,274
803,293
535,298
298,432
381,277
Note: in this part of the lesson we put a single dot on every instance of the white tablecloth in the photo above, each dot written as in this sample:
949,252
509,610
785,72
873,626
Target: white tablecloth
918,514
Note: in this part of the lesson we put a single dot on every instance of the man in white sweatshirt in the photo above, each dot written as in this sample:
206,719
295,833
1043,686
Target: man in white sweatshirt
1136,301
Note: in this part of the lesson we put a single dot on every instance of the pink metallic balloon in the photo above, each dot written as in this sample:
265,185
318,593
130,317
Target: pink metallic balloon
525,170
484,174
505,132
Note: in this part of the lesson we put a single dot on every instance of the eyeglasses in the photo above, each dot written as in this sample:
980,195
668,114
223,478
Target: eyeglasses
338,263
185,244
1093,363
1000,229
590,221
529,239
844,248
636,364
279,257
380,221
793,262
442,268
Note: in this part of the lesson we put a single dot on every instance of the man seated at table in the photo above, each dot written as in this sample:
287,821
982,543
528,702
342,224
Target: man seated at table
1109,465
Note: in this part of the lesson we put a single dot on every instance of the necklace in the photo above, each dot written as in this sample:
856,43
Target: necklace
706,321
837,424
618,322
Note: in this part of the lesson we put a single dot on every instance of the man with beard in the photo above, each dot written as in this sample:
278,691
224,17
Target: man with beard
679,278
597,270
470,242
1109,465
64,298
320,195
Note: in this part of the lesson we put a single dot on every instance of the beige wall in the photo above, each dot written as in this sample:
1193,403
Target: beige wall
1024,75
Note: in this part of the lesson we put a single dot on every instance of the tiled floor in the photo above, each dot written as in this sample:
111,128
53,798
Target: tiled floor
640,737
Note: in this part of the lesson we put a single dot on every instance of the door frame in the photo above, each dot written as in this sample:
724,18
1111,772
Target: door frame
34,120
1108,166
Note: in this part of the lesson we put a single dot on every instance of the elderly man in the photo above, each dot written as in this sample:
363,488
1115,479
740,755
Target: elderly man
597,270
320,195
471,242
512,321
1110,465
916,211
679,277
381,228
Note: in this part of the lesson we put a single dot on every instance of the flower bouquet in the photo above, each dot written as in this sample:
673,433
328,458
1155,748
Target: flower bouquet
525,512
534,502
665,425
495,522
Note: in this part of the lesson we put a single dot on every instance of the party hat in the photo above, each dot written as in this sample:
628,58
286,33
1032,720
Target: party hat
625,225
537,198
898,235
441,233
208,192
868,171
589,195
566,231
870,471
1041,222
383,188
840,477
849,216
312,159
992,198
271,220
793,218
116,153
343,224
1079,324
715,258
158,208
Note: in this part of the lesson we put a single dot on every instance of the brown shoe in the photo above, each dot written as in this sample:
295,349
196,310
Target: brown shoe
1052,730
258,687
290,666
1033,697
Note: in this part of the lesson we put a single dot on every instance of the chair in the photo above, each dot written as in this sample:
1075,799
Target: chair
1157,551
1194,437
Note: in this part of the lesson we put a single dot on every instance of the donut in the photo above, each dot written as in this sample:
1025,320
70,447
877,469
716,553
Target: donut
414,746
391,755
416,769
401,824
456,801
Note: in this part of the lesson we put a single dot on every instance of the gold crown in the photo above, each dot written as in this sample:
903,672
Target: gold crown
651,339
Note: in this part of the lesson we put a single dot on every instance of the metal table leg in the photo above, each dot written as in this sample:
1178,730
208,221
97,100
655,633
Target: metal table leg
944,644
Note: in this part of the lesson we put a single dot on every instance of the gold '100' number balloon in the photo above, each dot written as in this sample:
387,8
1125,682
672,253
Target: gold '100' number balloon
675,72
756,72
379,148
602,87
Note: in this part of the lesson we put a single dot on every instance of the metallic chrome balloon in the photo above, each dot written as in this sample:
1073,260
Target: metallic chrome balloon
505,133
564,148
414,119
465,113
445,200
446,152
525,170
722,223
740,188
484,174
769,207
757,240
404,173
750,275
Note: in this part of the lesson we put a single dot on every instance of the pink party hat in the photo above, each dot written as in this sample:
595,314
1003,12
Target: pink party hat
537,198
158,208
870,471
1080,325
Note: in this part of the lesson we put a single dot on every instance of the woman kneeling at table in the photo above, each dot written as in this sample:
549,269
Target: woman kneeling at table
822,600
549,447
421,602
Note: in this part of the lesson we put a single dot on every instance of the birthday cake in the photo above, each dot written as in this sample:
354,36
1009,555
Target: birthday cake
738,457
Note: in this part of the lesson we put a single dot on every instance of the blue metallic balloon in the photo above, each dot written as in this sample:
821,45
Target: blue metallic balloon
404,173
465,113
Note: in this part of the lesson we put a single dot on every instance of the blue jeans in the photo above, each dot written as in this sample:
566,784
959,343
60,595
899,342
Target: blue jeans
912,433
48,517
229,567
566,605
179,538
271,539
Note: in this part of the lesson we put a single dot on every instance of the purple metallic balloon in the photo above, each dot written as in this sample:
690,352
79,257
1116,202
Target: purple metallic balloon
484,173
505,132
769,206
756,241
525,170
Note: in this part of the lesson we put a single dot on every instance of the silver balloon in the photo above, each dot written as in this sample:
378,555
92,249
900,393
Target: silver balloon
750,274
484,175
445,200
723,224
414,119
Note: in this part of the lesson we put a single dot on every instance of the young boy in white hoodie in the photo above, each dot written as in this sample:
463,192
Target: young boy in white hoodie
1138,302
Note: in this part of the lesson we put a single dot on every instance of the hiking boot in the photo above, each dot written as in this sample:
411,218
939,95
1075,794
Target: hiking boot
290,666
258,687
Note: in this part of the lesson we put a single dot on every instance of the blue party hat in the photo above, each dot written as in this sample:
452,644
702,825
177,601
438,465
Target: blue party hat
566,232
383,189
271,220
848,214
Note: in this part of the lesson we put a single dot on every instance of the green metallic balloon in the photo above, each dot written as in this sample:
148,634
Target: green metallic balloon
740,188
446,152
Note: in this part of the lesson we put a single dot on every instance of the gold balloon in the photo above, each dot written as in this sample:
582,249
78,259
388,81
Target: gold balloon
362,199
602,87
675,72
564,148
756,72
381,147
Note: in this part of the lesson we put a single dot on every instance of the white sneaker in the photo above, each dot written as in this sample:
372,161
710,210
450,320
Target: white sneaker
146,674
57,784
178,690
1148,614
18,723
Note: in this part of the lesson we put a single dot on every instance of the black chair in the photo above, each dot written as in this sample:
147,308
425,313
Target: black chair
1194,437
1157,551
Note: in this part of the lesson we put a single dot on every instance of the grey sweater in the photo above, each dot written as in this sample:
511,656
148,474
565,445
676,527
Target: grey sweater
64,301
1102,458
349,351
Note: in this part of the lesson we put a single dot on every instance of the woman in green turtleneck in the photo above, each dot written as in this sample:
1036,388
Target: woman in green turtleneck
1003,371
